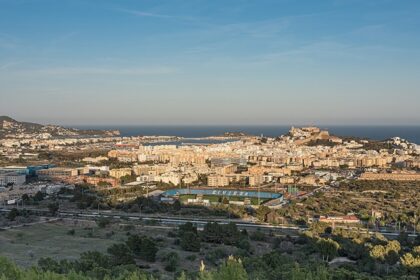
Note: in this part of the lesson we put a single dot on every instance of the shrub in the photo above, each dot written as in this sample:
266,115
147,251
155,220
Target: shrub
103,222
142,247
258,236
171,261
190,241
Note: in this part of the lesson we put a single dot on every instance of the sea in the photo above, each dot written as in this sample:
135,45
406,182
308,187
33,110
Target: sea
410,133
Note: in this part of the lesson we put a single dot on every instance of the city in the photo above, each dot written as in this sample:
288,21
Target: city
302,183
209,140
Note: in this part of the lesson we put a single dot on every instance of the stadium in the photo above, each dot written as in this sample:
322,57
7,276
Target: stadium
226,196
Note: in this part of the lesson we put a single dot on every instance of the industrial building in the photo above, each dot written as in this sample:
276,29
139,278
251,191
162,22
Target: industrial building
7,178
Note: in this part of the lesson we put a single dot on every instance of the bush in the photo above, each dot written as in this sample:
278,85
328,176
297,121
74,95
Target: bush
171,261
191,258
244,244
120,254
216,255
190,241
103,222
258,236
53,207
13,214
142,247
222,234
128,227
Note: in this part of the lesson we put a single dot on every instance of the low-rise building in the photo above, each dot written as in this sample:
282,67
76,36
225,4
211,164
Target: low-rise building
349,219
120,172
400,176
98,181
217,181
56,172
12,178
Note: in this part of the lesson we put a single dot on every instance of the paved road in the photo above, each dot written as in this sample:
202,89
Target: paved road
199,222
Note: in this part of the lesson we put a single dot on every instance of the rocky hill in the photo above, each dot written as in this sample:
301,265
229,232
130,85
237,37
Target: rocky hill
10,128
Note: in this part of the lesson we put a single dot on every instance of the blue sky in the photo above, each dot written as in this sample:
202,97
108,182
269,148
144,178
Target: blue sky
210,62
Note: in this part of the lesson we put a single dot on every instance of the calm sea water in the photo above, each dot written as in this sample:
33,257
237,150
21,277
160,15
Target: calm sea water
411,133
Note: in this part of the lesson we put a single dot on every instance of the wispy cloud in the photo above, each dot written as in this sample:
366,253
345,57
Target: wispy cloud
72,71
10,64
7,41
64,37
146,14
328,51
155,15
369,30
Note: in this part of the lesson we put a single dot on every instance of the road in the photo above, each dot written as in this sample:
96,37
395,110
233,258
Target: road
199,222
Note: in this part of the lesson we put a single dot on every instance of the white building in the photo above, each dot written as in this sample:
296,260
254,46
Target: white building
12,178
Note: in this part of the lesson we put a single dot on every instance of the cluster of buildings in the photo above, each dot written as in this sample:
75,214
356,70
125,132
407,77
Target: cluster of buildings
29,148
305,156
17,175
253,161
14,182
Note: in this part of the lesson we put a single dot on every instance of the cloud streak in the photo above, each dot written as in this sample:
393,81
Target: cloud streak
74,71
9,65
155,15
7,41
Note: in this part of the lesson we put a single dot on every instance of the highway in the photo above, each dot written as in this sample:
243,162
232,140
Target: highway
176,221
200,222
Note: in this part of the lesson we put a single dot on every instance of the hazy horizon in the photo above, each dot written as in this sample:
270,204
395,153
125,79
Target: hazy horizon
268,124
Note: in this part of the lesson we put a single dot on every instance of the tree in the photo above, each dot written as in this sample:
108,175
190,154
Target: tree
231,234
212,233
232,269
262,212
411,262
53,207
190,241
171,261
388,252
103,222
258,235
142,247
90,260
25,197
39,196
177,205
127,179
120,254
104,184
392,251
48,264
13,214
378,252
222,234
328,248
187,227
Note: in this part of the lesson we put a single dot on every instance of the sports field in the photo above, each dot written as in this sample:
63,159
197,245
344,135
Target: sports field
218,198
